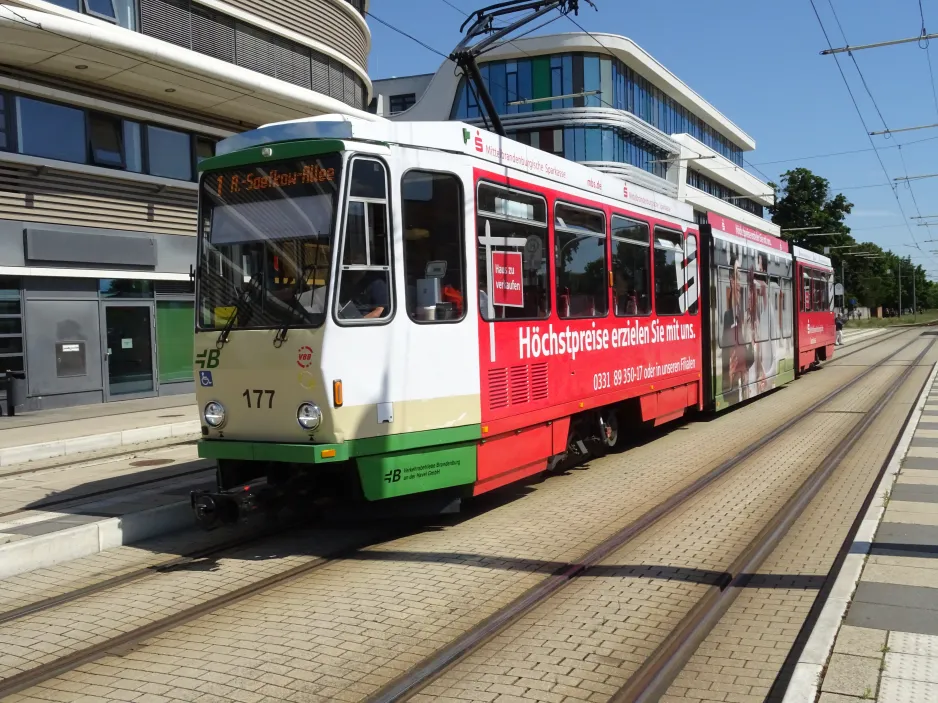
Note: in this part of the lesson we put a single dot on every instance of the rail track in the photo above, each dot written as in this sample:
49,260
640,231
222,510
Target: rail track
83,497
655,675
427,671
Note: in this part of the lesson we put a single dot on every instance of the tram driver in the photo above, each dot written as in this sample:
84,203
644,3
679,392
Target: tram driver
365,294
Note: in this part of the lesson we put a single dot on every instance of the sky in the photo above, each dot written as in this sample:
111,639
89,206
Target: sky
758,62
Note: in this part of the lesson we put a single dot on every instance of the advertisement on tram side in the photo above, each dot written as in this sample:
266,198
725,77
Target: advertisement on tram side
752,343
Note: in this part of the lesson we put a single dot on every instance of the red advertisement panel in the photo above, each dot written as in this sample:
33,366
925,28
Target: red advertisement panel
738,229
507,280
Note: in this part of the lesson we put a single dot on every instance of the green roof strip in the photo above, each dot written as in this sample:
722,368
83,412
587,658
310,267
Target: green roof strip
278,152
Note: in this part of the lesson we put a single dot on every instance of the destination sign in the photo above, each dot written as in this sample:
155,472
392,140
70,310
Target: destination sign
287,178
254,180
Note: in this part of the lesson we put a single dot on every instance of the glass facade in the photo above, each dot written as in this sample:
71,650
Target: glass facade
52,130
606,81
596,144
708,185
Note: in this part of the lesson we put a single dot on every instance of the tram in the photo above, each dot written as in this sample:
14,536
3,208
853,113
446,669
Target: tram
404,311
814,331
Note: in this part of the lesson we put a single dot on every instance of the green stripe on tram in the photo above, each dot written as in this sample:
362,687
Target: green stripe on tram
281,150
312,453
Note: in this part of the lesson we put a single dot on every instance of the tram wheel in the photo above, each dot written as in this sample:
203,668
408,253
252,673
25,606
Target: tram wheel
609,428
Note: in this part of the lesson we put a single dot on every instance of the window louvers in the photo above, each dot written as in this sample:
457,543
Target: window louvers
255,50
168,20
213,34
349,88
320,66
336,80
293,63
182,23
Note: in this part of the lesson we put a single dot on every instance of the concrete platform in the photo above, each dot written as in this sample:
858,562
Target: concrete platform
69,432
58,514
877,638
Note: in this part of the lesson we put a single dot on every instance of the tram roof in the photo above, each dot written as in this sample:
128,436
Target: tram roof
808,255
458,137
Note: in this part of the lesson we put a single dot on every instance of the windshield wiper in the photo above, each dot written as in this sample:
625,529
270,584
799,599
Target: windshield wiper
243,297
294,303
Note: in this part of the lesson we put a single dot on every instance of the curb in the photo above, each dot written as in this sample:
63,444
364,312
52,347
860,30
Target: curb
78,445
806,677
84,540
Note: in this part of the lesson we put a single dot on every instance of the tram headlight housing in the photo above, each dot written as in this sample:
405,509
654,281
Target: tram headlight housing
214,414
309,416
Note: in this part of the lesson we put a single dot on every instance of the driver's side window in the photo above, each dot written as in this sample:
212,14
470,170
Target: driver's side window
365,290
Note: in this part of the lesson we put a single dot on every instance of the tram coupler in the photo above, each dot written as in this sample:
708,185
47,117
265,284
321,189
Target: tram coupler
212,509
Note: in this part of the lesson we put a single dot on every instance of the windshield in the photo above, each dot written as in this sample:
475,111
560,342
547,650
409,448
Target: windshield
266,240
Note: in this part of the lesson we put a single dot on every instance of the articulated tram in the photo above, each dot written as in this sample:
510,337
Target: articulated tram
428,310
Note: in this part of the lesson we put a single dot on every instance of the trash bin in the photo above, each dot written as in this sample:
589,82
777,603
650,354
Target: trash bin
14,383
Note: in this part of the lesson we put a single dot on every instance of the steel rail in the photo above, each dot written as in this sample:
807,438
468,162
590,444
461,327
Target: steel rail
657,673
431,668
41,505
872,343
31,677
131,576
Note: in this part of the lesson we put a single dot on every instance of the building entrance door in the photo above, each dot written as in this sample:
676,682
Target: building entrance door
129,350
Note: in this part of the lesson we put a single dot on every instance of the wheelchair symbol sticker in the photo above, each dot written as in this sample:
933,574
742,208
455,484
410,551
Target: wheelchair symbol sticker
205,379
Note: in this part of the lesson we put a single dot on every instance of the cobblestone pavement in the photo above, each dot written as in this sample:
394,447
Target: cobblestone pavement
338,633
585,642
746,653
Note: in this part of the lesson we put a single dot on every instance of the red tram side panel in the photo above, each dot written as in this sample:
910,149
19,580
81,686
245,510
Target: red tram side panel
574,318
814,328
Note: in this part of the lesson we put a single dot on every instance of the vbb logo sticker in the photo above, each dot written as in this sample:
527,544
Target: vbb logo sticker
304,357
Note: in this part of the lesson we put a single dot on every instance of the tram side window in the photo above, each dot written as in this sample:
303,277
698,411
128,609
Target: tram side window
365,278
761,306
669,271
726,309
744,310
580,243
806,302
631,267
690,273
775,308
786,312
434,272
818,292
513,254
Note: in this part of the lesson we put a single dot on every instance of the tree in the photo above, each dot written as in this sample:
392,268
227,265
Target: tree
803,200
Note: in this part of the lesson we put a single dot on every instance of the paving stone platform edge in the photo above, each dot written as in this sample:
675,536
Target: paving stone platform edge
806,677
96,442
84,540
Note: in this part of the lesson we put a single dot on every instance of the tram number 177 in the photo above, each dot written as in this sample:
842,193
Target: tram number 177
259,394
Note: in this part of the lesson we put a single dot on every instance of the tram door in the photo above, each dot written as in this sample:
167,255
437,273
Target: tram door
413,365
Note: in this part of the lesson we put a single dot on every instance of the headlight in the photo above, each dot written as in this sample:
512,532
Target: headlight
309,416
214,414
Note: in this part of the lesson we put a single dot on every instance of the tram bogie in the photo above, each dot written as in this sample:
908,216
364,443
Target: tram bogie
389,310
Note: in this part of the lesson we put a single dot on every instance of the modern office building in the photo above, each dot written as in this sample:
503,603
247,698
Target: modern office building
106,108
604,101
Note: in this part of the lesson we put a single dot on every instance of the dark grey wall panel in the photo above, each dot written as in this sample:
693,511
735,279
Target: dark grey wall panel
56,246
174,252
